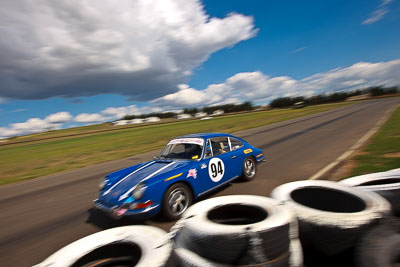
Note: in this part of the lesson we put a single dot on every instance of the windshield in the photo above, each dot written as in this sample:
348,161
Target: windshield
184,148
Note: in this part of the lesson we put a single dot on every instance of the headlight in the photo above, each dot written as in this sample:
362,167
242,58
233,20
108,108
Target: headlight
139,190
102,183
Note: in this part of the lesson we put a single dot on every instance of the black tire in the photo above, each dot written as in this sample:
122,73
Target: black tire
176,200
386,184
379,247
249,169
223,229
127,245
332,217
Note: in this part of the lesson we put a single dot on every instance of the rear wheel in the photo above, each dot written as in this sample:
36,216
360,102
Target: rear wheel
249,169
177,199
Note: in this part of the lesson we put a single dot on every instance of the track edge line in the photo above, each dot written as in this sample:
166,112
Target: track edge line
356,146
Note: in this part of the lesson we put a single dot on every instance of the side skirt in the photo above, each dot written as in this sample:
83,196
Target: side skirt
218,186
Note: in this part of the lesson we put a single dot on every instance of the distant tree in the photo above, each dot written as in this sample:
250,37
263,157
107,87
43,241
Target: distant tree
190,111
129,117
376,91
392,90
228,108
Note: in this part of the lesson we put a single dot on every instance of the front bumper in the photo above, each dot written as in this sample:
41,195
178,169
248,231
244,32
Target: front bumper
117,212
260,158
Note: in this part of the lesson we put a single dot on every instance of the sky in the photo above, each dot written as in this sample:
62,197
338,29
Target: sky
71,63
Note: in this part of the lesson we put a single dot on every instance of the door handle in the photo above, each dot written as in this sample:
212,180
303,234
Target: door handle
233,157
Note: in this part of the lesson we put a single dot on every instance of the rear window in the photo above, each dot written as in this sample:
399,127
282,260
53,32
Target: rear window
235,143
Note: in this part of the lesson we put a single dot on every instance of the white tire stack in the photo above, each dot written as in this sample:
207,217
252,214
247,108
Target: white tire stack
238,230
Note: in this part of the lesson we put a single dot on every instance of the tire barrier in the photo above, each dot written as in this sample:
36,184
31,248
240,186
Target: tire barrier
386,184
379,247
335,224
238,230
332,217
122,246
187,258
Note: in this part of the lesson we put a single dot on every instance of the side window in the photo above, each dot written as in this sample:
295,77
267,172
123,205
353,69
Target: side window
208,152
235,143
220,145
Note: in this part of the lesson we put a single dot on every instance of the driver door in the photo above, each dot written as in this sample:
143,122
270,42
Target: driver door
217,166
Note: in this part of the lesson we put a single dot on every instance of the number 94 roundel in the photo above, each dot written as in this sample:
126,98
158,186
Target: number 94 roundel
216,169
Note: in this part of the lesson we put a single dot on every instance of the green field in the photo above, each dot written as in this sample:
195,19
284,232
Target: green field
383,151
38,158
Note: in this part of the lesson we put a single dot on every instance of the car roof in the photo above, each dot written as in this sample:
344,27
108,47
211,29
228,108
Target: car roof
204,135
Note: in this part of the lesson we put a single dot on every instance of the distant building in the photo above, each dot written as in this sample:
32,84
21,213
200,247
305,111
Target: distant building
300,104
218,112
358,97
152,119
120,122
136,121
206,118
183,116
200,114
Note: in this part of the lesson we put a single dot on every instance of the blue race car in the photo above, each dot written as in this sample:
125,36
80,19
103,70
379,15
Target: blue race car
188,167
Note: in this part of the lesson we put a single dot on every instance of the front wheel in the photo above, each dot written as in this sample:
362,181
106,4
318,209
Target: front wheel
177,199
249,169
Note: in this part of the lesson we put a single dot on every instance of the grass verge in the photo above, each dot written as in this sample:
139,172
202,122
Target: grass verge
35,159
383,151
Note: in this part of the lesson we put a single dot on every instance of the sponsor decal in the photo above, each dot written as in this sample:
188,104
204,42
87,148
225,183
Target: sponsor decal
216,169
192,173
247,151
173,177
203,166
129,199
260,155
197,141
195,157
120,212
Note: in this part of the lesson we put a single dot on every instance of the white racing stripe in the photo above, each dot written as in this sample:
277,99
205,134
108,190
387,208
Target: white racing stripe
112,187
148,177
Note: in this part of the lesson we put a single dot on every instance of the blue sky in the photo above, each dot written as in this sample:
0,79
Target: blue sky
71,63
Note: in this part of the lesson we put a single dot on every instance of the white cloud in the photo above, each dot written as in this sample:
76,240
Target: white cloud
138,48
241,87
258,87
7,132
35,125
297,50
89,118
59,117
385,2
376,16
186,96
113,113
361,74
20,110
379,13
246,86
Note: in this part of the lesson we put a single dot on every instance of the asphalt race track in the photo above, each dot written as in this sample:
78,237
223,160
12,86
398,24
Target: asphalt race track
40,216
